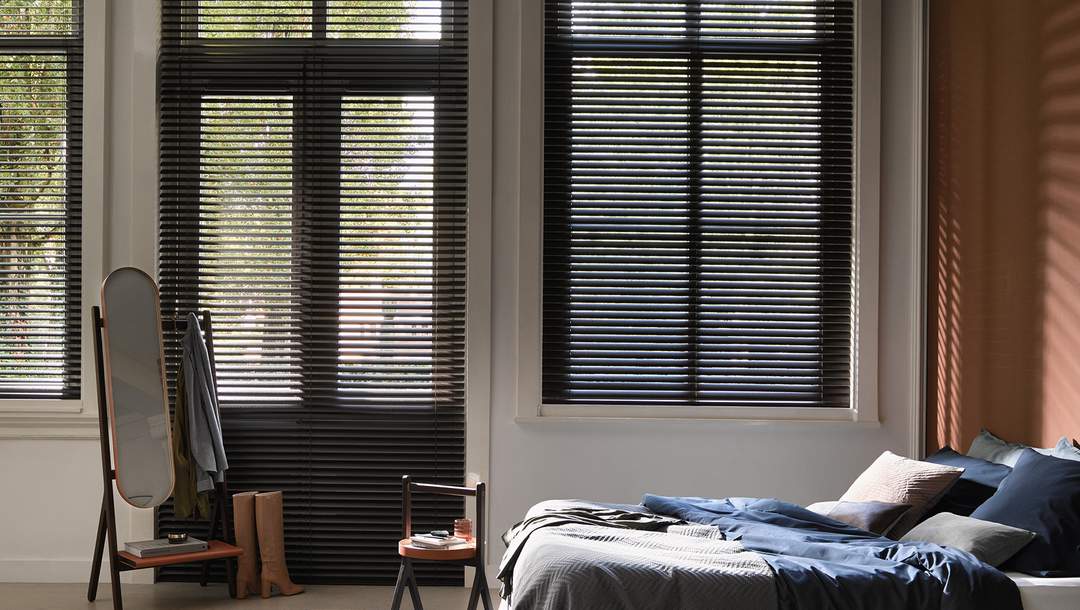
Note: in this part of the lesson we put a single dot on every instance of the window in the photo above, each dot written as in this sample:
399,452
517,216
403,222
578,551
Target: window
313,165
40,198
698,203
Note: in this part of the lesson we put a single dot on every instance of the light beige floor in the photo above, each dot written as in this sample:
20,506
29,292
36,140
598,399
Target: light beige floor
177,596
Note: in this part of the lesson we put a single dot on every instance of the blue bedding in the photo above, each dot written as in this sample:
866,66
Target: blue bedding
822,563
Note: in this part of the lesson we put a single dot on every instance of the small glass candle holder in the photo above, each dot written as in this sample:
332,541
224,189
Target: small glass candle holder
463,529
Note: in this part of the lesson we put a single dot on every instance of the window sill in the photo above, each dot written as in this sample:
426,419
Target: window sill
40,425
38,407
613,413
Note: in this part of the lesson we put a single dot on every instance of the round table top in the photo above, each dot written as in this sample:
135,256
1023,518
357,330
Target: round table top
456,553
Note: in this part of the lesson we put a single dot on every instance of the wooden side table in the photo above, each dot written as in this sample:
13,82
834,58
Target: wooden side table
467,555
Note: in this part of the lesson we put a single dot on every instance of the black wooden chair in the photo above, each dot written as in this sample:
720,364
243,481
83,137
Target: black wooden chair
470,555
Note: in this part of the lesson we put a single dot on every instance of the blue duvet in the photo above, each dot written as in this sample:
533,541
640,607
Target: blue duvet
821,563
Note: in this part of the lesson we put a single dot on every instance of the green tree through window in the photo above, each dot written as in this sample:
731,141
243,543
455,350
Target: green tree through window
40,73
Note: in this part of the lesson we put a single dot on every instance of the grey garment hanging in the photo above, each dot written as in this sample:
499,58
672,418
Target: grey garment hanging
204,421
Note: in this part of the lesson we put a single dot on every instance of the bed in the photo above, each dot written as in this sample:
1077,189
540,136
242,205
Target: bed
752,554
1047,593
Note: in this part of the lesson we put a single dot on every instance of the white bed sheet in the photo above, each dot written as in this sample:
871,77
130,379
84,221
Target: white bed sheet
1036,593
1047,593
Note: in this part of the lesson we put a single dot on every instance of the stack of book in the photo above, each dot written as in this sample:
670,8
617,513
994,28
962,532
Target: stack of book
158,548
427,541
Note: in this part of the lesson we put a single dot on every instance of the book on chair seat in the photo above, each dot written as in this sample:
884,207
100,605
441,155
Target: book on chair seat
161,547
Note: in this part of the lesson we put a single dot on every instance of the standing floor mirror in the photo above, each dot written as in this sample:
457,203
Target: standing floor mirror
135,427
136,388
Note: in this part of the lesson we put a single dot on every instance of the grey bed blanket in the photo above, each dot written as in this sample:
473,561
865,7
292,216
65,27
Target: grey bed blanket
633,559
565,512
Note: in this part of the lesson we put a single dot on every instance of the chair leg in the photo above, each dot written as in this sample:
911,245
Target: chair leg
99,551
485,590
399,588
480,591
414,589
474,594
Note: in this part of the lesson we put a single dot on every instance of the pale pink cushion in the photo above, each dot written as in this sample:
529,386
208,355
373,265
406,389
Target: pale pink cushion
898,480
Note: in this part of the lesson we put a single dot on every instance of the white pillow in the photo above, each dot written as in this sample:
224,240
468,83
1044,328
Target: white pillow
1065,449
822,508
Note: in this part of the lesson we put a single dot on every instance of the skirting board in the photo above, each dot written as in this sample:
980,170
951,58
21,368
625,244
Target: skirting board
38,570
78,570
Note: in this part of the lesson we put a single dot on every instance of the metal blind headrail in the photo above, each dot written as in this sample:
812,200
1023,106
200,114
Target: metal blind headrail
40,199
698,207
313,159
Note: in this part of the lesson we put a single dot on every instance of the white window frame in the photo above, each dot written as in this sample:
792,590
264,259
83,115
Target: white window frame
863,407
77,418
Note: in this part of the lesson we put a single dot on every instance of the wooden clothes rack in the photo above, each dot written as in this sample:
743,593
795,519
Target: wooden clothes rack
121,561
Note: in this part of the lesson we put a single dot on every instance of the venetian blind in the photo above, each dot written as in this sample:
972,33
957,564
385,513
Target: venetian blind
698,161
313,163
41,49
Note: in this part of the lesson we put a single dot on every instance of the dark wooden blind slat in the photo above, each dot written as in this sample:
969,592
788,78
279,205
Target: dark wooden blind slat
698,211
40,199
313,199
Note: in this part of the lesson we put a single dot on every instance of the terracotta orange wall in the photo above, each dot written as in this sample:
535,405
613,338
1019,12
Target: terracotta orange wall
1004,216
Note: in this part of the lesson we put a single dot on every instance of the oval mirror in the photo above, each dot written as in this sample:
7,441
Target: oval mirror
135,387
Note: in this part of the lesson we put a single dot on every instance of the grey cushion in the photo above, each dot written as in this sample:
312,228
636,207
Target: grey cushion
988,447
876,517
991,543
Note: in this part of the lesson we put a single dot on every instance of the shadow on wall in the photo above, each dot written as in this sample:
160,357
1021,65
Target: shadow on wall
1059,194
1004,235
945,322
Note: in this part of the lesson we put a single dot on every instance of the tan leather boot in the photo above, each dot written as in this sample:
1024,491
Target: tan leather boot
270,523
247,565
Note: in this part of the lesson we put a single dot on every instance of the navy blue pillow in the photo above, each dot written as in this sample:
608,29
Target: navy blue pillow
1042,495
979,481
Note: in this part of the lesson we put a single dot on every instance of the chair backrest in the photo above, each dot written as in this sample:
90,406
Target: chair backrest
479,492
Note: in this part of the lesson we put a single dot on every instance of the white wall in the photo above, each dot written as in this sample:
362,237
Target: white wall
52,486
52,495
620,460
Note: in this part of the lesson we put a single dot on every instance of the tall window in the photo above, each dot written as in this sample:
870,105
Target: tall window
698,205
41,46
313,162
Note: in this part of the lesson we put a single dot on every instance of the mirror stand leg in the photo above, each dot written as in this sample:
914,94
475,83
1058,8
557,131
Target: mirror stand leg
114,576
114,563
99,550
